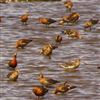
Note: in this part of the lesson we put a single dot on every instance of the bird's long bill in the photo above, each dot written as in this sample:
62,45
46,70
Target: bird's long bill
72,87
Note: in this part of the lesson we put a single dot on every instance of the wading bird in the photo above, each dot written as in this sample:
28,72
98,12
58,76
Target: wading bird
46,21
89,24
46,81
13,63
39,91
21,43
71,65
13,76
63,88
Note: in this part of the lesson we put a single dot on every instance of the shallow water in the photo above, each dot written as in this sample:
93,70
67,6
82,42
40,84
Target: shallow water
30,62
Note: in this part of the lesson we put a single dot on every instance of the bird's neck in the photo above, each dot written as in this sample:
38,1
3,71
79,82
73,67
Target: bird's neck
14,60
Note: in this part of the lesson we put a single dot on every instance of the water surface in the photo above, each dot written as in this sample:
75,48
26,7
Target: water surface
30,62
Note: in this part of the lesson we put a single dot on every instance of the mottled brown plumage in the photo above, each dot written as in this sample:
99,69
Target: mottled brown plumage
46,81
13,76
21,43
63,88
73,33
39,91
89,24
58,38
73,17
71,65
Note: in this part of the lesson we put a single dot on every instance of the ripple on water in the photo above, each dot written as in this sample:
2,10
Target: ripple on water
30,62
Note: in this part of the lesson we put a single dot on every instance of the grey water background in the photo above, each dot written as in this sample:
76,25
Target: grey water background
30,62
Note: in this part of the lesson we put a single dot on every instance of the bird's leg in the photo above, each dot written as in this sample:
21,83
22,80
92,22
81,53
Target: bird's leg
24,23
90,28
38,97
49,56
47,26
69,9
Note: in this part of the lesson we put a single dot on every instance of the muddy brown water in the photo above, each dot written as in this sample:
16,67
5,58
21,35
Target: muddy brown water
30,62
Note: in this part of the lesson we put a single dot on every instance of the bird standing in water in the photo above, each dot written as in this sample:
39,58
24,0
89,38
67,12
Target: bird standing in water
13,63
24,18
46,21
58,38
13,76
89,24
71,18
47,50
21,43
46,81
39,91
68,4
71,65
63,88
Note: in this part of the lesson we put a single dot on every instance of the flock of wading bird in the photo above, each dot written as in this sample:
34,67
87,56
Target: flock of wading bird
47,50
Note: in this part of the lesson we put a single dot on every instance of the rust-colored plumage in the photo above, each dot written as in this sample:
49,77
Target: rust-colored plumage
21,43
39,91
13,63
46,21
24,18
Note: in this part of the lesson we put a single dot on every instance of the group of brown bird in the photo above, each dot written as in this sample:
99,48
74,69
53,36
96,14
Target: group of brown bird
48,49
